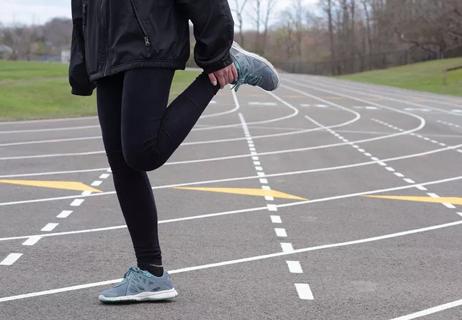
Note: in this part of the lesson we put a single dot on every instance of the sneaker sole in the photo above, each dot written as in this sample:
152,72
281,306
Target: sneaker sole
143,296
256,56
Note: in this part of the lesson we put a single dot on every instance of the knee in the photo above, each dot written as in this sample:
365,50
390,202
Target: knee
138,158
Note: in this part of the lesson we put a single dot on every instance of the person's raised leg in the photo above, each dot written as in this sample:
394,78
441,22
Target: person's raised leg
151,131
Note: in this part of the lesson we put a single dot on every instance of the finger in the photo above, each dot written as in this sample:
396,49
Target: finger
221,80
230,75
234,70
213,79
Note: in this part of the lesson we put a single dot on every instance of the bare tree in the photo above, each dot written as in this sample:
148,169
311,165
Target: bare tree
239,7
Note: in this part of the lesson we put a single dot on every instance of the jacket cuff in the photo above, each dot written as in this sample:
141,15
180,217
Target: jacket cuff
82,92
222,63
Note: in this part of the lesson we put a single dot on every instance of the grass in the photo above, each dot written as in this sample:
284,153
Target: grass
425,76
36,90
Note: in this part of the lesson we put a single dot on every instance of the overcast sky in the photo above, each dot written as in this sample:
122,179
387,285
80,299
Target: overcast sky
40,11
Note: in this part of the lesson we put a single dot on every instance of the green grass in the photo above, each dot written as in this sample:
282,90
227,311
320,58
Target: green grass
35,90
426,76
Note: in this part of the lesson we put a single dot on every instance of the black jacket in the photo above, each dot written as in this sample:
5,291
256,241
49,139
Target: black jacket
110,36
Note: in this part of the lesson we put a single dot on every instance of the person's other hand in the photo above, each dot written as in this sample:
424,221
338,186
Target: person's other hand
224,76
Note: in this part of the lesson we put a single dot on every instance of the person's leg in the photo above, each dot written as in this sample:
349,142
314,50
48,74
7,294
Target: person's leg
132,186
151,132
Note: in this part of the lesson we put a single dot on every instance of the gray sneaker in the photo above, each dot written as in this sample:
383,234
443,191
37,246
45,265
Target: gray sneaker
139,285
253,69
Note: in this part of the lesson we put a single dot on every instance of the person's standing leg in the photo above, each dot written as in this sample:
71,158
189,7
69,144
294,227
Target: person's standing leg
151,132
132,186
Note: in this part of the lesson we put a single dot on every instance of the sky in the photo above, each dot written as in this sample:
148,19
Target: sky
40,11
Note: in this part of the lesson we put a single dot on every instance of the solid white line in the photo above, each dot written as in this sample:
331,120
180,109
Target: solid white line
304,291
50,173
237,261
287,247
64,214
294,266
276,219
31,241
49,227
96,183
48,141
10,259
77,202
49,129
433,310
280,232
53,155
256,103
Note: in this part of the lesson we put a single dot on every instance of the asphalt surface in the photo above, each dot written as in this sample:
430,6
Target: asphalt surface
367,224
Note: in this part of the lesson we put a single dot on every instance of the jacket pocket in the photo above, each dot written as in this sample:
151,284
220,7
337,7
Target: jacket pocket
146,37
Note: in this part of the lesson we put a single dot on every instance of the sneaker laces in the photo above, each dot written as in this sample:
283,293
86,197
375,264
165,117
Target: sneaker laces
247,79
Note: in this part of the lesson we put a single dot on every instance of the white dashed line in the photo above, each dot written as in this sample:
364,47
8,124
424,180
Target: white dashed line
77,202
280,232
399,174
449,205
422,188
10,259
104,176
287,247
272,207
31,241
409,180
304,291
96,183
390,169
276,219
263,181
64,214
86,193
433,195
49,227
294,266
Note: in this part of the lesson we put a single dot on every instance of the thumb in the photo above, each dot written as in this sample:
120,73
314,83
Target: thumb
213,79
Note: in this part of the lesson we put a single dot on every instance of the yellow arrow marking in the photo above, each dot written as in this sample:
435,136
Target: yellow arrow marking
66,185
247,191
452,200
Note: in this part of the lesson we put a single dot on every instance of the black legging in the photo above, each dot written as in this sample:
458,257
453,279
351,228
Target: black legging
140,133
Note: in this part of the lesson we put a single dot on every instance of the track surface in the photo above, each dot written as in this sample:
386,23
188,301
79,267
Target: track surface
341,254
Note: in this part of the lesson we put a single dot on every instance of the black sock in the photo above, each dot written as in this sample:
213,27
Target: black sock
155,269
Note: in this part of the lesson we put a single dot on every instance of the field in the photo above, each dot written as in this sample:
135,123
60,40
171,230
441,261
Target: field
426,76
35,90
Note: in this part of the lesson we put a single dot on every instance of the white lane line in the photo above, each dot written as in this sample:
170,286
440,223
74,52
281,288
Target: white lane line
31,241
86,193
49,227
257,103
294,266
421,187
449,205
48,141
237,261
269,198
408,180
10,259
263,181
77,202
304,291
255,158
280,232
390,169
64,214
272,207
258,168
49,129
96,183
286,247
459,213
429,311
49,173
275,219
399,174
432,195
104,176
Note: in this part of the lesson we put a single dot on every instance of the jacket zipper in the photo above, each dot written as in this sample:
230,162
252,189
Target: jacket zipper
147,41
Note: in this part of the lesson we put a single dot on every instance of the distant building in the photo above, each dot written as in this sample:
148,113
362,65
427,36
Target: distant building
65,56
5,51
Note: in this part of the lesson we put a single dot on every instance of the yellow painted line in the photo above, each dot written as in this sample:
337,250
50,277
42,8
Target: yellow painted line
66,185
256,192
452,200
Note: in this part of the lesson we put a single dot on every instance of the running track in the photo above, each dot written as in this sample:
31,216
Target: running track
367,223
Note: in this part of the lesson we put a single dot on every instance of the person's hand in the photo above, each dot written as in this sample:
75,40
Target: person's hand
224,76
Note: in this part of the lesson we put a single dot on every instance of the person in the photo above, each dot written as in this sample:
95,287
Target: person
128,51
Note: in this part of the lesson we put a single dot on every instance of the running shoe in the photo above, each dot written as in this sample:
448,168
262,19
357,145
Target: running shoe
253,69
139,285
